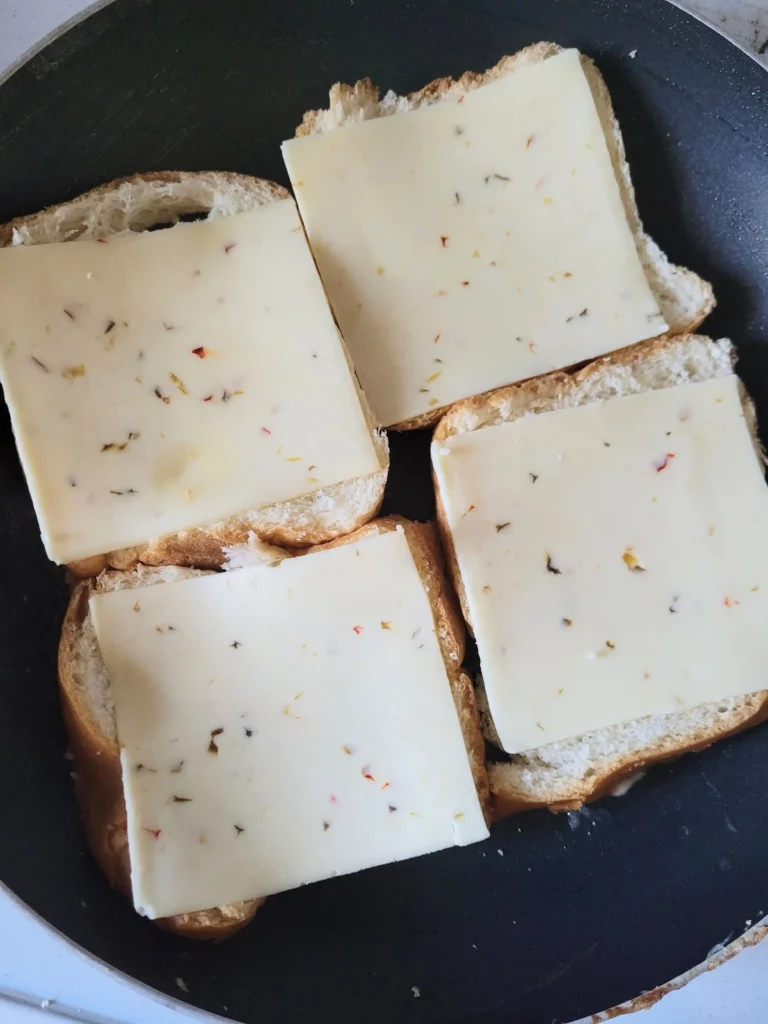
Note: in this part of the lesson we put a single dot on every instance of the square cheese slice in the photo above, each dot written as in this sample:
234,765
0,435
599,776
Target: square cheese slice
615,559
283,725
474,242
168,379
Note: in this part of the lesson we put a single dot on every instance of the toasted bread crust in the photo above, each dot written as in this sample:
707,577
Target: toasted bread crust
99,791
505,801
451,557
424,543
424,420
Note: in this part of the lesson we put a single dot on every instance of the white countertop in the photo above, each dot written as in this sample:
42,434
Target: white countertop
42,975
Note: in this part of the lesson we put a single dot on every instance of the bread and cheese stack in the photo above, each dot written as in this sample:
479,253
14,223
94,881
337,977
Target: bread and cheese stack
174,393
268,723
480,232
182,401
615,573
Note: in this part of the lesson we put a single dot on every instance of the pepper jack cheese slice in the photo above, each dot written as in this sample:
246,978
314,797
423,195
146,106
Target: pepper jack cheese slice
283,725
473,243
615,559
168,379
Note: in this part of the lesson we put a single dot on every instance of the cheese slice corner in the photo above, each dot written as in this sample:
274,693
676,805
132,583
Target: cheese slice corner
169,379
614,558
473,242
283,725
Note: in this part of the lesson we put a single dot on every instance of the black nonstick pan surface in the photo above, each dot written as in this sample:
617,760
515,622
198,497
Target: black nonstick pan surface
555,916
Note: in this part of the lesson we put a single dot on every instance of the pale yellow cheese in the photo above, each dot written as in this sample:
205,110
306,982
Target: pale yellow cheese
168,379
474,242
283,725
615,559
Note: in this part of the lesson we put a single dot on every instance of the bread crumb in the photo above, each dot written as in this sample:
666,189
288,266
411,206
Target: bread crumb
416,991
633,54
500,853
182,984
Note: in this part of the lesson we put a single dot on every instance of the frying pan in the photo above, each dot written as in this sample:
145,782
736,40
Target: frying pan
555,916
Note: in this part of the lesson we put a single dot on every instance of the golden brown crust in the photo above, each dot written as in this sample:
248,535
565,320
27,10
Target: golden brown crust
504,802
99,791
451,558
86,567
422,421
424,544
472,731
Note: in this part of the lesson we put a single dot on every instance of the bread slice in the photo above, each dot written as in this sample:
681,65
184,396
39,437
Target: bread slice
90,720
566,774
424,543
684,298
147,201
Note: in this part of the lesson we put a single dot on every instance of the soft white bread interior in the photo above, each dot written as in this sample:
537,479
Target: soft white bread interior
567,774
684,298
89,717
162,198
